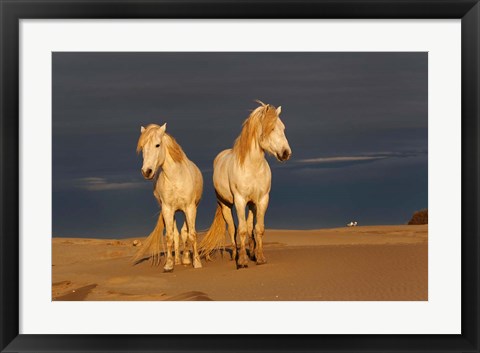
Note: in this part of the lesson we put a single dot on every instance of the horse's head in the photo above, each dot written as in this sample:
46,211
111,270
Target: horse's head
273,139
150,143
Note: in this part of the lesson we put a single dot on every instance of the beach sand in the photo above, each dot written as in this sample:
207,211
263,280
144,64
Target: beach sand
368,263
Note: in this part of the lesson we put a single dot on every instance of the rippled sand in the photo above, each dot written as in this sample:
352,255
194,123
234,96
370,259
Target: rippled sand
361,263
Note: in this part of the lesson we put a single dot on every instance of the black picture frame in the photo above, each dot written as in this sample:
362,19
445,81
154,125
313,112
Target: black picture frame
12,11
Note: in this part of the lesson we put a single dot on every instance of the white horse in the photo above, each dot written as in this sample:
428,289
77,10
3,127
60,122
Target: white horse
178,187
242,178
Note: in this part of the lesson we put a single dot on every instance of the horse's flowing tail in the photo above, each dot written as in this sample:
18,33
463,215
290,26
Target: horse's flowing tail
151,246
215,237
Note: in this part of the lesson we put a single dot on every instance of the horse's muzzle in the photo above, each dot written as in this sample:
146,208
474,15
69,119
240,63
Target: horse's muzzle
148,174
285,156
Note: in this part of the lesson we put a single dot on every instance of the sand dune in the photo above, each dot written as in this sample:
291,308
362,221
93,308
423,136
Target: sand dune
360,263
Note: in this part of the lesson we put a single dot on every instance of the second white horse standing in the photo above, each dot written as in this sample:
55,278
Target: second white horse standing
242,178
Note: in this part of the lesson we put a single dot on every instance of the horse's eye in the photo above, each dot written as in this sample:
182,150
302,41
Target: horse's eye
157,145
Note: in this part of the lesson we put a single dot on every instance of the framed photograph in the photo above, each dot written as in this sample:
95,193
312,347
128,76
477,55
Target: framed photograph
238,176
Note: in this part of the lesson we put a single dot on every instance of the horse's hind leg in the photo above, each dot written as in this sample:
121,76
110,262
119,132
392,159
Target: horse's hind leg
228,217
186,245
251,240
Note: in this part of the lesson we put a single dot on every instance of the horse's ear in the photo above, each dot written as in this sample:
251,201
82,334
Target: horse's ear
142,129
163,128
279,110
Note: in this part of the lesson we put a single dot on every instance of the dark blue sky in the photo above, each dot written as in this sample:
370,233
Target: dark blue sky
356,122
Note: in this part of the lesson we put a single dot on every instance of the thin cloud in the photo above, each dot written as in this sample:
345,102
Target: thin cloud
340,159
101,184
347,161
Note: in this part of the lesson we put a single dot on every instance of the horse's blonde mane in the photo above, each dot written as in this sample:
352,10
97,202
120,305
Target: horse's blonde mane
263,118
173,148
145,136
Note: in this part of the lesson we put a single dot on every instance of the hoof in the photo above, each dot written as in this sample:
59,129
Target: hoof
177,261
242,261
186,258
261,261
197,264
168,266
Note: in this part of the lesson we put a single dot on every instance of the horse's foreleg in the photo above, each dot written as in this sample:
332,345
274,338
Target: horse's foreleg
186,246
251,240
260,229
242,231
190,215
176,242
169,227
